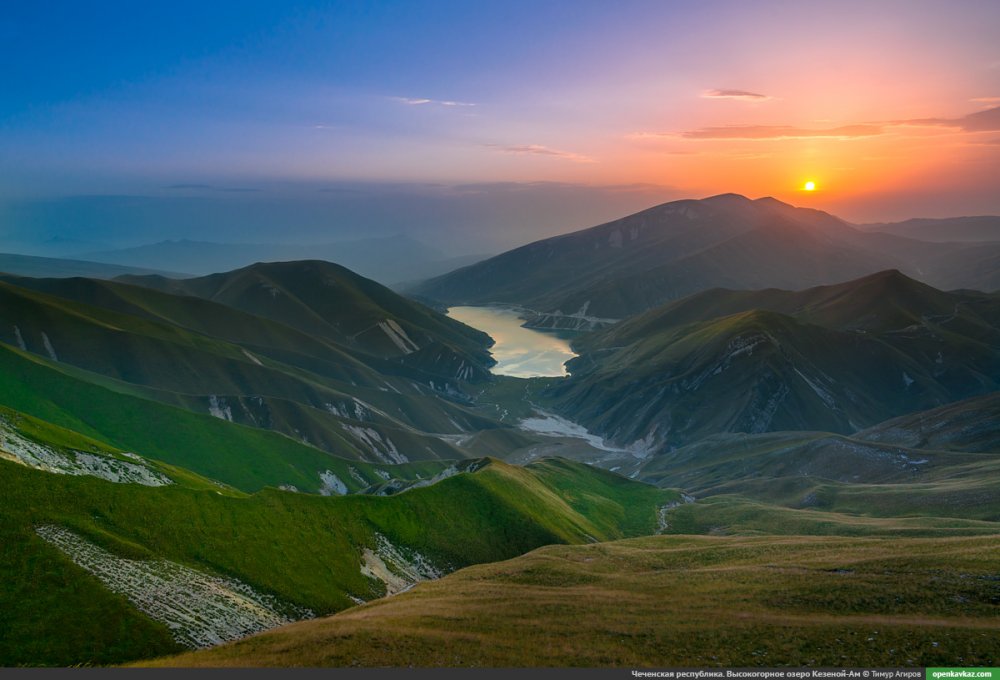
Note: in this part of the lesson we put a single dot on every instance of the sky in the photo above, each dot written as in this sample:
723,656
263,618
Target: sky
477,126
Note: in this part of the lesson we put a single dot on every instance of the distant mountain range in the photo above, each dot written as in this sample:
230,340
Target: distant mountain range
193,460
954,229
30,265
835,358
590,278
389,260
337,362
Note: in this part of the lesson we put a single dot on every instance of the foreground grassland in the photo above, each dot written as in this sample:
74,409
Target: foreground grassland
303,549
672,601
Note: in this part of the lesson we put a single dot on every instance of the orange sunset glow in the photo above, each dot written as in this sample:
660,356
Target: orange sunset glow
895,105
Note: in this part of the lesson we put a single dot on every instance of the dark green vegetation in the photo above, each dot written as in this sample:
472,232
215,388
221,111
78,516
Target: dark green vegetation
834,358
672,602
303,549
336,363
583,279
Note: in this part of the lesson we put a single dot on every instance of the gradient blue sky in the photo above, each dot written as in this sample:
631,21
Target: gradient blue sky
480,125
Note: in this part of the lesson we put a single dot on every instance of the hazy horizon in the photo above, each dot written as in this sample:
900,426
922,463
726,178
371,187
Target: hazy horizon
476,128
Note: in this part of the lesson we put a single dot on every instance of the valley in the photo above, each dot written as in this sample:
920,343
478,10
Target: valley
308,467
634,339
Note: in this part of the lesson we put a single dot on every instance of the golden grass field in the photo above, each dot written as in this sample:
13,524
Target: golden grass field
671,601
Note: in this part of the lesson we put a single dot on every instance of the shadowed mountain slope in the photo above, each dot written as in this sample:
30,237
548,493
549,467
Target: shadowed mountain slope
835,358
584,279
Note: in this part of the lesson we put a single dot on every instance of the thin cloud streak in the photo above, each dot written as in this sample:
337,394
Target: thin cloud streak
980,121
539,150
735,94
209,187
783,132
987,120
419,101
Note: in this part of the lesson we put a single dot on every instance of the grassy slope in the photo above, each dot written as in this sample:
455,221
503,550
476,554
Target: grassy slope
883,301
145,338
329,301
839,474
832,358
246,458
734,514
303,549
668,602
969,425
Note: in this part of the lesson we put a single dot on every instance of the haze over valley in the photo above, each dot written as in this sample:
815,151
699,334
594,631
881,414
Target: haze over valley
527,335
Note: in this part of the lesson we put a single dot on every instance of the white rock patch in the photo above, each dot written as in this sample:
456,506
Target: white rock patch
332,485
217,407
398,336
398,571
551,425
252,358
48,347
381,447
200,610
15,447
20,339
825,396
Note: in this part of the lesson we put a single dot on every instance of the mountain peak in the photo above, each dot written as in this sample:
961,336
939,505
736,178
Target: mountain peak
772,202
889,277
731,199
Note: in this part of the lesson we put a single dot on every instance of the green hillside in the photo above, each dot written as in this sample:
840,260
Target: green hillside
328,301
969,425
298,551
825,472
665,602
589,278
246,458
836,358
210,358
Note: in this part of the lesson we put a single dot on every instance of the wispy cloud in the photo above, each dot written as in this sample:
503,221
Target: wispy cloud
539,150
735,94
783,132
987,120
209,187
420,101
986,100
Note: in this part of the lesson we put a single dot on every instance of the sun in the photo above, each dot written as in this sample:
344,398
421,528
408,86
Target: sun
809,186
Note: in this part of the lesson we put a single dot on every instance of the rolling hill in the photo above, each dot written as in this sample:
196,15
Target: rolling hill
331,302
667,602
289,440
971,425
371,377
836,359
167,559
983,228
588,279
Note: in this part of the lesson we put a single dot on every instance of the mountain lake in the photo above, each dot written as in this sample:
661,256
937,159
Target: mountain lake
519,352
